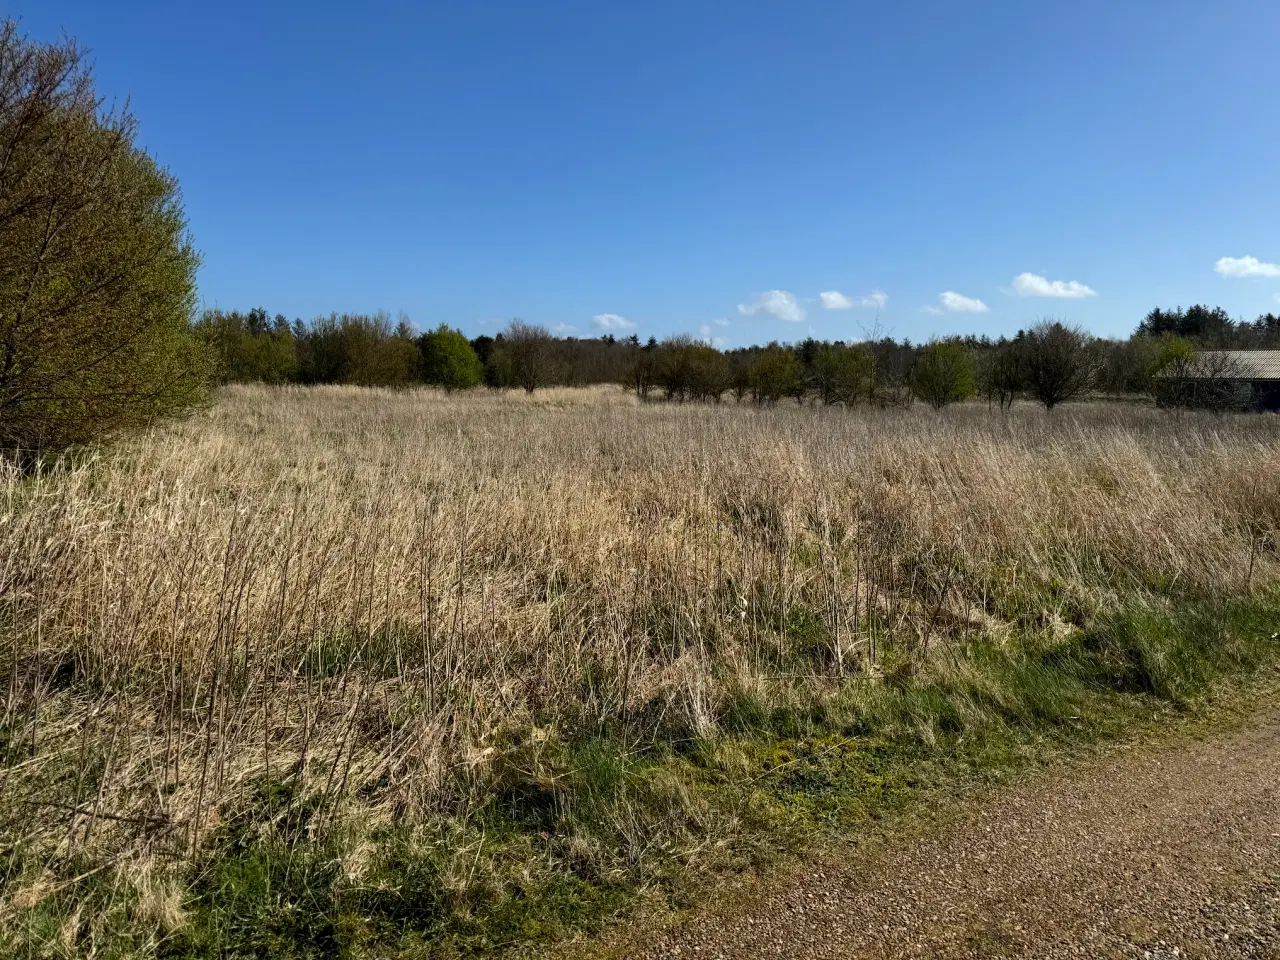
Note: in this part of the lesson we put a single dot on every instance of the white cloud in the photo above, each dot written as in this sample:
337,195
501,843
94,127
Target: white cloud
957,303
721,321
611,321
930,308
1034,285
704,332
563,329
835,300
779,303
1245,267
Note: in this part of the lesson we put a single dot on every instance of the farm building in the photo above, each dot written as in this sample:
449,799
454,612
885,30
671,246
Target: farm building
1251,377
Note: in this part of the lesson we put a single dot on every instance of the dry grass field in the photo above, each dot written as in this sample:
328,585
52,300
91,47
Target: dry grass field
408,673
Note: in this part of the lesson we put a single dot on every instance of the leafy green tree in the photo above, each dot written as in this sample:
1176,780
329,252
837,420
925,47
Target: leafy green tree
97,269
483,346
944,374
712,373
248,348
1199,323
448,360
394,361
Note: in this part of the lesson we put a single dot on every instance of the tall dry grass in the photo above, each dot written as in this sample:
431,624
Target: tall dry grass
371,594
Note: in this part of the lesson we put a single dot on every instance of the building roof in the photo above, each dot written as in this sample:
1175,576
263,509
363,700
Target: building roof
1239,365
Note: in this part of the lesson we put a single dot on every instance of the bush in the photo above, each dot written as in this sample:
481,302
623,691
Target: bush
1191,379
448,360
97,269
688,369
843,374
773,375
642,366
1129,366
943,374
360,349
1001,376
522,357
1058,362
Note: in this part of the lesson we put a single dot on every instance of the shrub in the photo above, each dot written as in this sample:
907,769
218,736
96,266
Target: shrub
1001,376
1130,365
943,374
642,366
1057,361
688,369
448,360
842,374
773,375
1191,379
522,357
97,269
360,349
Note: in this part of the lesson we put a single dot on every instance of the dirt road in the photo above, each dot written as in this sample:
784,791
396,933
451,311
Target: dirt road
1150,852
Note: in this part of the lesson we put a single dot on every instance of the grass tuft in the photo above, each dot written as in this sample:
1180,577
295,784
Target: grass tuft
347,672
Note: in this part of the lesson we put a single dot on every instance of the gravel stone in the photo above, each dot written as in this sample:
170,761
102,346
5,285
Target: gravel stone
1152,852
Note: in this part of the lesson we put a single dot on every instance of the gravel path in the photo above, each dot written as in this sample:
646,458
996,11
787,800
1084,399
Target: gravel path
1151,852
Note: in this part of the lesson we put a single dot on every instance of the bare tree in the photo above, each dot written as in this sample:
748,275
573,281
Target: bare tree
526,351
842,374
1058,362
1000,376
1211,380
691,369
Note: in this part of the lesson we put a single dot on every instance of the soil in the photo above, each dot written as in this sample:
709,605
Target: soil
1164,851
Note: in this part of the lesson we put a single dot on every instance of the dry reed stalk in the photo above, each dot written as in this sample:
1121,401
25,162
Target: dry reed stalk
362,590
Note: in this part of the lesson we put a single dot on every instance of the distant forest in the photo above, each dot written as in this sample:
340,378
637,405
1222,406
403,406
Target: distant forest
374,350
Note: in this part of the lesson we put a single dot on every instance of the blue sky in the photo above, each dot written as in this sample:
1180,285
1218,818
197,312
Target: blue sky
666,165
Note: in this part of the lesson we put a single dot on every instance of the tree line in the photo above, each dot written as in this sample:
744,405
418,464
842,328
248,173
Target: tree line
1051,362
99,331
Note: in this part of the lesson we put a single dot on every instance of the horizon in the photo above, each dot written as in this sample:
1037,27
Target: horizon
737,173
869,336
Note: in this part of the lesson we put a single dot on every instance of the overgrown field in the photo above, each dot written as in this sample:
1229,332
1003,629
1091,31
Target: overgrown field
336,670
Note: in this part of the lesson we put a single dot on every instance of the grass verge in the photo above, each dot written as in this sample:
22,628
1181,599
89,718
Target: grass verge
572,834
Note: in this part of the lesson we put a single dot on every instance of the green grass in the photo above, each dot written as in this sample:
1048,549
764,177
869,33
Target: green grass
572,833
